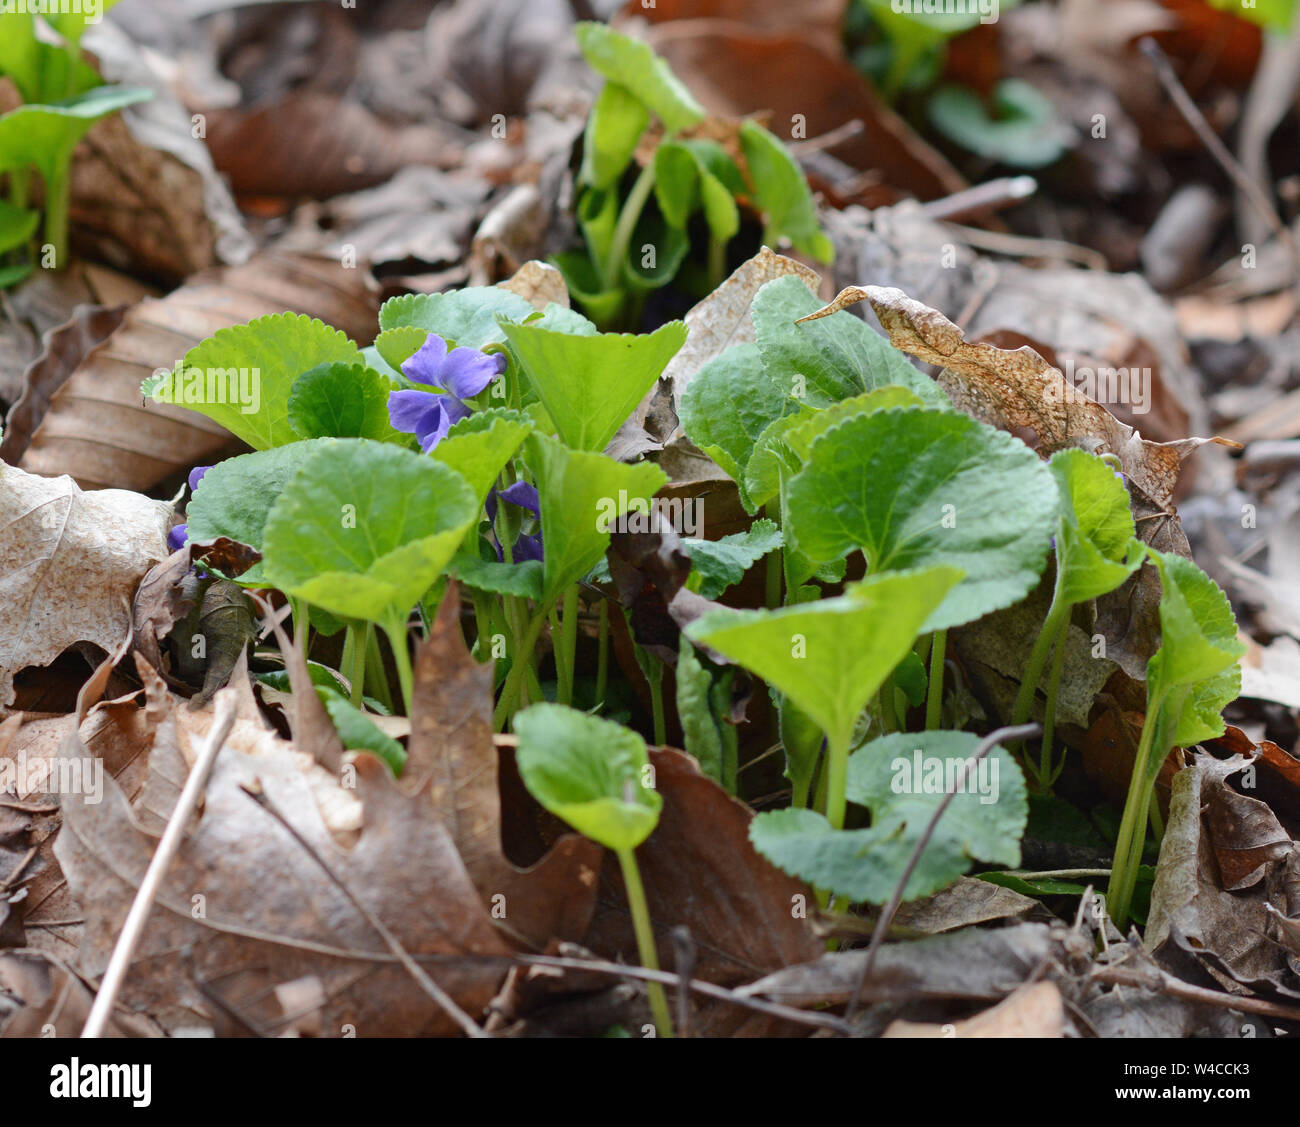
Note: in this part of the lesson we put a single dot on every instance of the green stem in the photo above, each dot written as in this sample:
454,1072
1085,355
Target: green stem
395,628
934,691
717,262
566,654
645,938
1056,614
1046,776
654,675
602,654
837,774
376,675
1132,826
514,679
627,219
354,659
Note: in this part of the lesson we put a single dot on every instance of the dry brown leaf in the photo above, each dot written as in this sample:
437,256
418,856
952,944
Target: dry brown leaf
1018,391
538,283
69,565
245,910
451,747
100,430
1030,1011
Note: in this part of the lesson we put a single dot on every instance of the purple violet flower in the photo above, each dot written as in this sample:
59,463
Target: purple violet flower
196,475
177,536
526,547
462,373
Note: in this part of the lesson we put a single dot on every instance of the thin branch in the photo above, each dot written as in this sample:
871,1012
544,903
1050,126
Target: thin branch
1156,979
225,706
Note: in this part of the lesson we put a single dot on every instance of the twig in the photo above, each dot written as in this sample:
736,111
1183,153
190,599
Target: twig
708,989
985,746
982,197
1156,979
225,705
828,140
431,988
684,961
1218,150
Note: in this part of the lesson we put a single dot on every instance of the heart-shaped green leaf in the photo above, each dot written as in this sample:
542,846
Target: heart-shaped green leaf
589,385
341,400
241,377
235,496
44,136
592,773
582,495
635,66
676,182
830,657
913,488
478,447
363,529
902,778
1194,674
1023,129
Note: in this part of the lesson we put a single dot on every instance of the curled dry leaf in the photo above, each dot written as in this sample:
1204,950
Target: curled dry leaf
99,429
1036,1010
1017,390
1225,860
69,565
452,754
245,910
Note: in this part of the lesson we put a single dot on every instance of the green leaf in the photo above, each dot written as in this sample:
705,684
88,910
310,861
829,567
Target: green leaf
717,564
1096,549
646,76
44,136
468,318
12,275
830,657
398,345
17,225
782,194
832,358
360,733
1275,15
71,24
615,126
731,401
43,72
592,773
241,377
784,447
914,488
478,447
583,282
902,778
523,580
235,497
590,384
363,529
1023,129
582,493
1194,674
341,400
676,182
701,736
654,253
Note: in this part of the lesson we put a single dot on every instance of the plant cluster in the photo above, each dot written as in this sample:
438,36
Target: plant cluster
63,96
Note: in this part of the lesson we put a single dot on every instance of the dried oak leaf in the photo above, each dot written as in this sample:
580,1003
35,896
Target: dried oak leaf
1018,391
244,910
451,748
92,422
69,565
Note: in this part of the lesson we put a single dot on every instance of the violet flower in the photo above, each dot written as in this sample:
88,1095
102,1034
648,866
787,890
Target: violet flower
526,547
462,373
177,537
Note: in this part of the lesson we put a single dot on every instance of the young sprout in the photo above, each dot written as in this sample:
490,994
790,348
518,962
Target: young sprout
595,775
